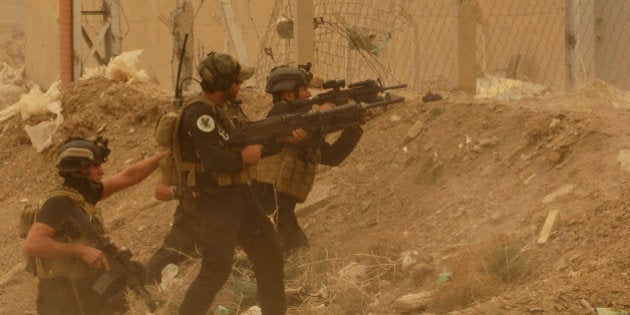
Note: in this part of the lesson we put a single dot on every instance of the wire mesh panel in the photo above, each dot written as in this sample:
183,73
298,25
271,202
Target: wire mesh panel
353,38
521,47
612,24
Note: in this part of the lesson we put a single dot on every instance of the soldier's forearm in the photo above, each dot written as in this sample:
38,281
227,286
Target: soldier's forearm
140,170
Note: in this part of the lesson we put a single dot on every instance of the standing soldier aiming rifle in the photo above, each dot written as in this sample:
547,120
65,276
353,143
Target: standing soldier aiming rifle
285,179
212,178
65,243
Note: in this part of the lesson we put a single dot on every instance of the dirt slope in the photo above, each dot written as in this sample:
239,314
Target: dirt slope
476,182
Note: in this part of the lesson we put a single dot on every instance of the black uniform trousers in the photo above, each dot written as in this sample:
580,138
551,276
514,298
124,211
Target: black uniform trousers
178,246
62,296
230,218
290,233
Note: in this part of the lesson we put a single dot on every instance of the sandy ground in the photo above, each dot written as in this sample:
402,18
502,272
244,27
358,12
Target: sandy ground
457,189
459,186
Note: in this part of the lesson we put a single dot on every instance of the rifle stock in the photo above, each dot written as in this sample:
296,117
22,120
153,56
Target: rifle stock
123,271
321,122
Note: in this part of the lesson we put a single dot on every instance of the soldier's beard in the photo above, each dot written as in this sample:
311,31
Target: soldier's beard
89,188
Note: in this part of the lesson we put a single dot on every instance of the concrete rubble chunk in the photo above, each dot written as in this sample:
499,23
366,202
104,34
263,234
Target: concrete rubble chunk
550,222
414,301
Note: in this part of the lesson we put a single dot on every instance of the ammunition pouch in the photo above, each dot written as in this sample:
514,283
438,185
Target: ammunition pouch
289,173
244,177
72,268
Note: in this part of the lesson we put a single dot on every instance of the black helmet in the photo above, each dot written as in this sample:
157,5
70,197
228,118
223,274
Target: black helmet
77,153
287,78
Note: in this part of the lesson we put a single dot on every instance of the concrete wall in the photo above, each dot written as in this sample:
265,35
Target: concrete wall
41,53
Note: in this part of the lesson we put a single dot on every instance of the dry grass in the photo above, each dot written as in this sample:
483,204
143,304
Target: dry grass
481,272
321,284
318,282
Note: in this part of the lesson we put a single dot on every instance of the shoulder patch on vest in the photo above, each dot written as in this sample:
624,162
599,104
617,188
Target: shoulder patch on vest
205,123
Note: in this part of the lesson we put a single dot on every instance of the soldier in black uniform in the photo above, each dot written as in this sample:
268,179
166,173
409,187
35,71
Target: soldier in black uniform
181,241
221,198
66,261
284,179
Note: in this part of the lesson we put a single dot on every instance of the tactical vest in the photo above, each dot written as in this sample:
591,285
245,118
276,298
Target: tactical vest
69,267
183,174
291,171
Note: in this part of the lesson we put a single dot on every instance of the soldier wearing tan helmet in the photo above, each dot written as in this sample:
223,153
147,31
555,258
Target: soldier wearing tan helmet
63,256
217,209
284,179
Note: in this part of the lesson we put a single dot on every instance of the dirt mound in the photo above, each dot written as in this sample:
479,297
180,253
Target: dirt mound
456,189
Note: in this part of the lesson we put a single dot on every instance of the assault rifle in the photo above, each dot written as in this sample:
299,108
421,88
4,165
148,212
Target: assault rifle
320,122
122,272
178,100
366,91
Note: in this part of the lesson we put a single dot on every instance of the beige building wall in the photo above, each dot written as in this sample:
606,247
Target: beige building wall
11,18
611,37
41,52
146,25
537,37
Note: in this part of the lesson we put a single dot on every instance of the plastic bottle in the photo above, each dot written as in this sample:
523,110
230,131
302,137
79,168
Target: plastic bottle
168,274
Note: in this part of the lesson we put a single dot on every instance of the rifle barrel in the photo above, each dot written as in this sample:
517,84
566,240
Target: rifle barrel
393,87
386,101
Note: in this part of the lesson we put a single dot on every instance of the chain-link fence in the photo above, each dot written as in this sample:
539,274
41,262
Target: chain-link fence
520,47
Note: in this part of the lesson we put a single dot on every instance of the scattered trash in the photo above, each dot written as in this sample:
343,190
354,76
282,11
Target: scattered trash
550,222
443,277
608,311
121,68
222,310
408,258
588,306
413,132
507,89
254,310
37,103
354,272
394,118
168,274
624,159
244,287
410,302
432,97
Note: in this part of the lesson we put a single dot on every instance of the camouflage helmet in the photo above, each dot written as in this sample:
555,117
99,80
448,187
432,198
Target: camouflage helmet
218,71
77,153
287,78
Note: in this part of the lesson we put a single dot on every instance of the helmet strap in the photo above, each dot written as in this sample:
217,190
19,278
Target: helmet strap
296,92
